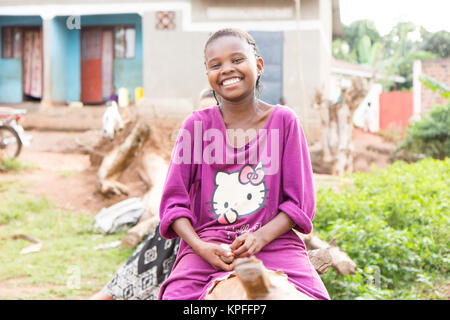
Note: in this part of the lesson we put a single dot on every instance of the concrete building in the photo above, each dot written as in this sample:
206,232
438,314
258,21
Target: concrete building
88,47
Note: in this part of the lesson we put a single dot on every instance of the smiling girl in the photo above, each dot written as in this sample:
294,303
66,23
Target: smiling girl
242,205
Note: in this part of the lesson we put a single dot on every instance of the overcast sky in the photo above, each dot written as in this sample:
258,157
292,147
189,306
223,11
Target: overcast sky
433,15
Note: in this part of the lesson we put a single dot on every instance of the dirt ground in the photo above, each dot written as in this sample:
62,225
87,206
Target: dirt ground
64,174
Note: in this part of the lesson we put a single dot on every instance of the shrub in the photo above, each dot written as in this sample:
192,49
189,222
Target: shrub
429,136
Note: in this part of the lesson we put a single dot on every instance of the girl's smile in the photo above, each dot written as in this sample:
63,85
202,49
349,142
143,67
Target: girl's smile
230,82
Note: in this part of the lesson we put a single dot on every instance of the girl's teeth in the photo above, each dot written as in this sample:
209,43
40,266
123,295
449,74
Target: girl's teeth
231,81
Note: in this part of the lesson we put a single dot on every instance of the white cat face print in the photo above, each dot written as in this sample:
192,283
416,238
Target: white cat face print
238,193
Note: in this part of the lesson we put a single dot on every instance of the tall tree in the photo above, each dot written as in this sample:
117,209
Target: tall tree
394,53
436,42
361,43
403,46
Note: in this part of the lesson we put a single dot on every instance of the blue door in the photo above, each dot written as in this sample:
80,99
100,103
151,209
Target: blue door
270,45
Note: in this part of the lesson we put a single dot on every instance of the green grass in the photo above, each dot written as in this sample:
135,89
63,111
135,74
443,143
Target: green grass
14,165
66,173
67,247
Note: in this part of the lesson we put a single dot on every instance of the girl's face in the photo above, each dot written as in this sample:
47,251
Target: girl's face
232,67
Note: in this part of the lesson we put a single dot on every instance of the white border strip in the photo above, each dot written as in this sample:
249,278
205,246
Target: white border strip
50,11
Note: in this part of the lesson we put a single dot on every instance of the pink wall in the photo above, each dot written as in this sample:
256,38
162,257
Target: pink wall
396,107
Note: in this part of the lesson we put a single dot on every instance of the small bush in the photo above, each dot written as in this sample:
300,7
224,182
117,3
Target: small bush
429,136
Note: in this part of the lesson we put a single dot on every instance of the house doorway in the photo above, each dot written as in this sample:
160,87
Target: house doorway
25,43
32,63
107,62
100,45
91,65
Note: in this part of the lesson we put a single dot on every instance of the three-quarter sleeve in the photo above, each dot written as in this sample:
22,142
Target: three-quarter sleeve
298,199
175,200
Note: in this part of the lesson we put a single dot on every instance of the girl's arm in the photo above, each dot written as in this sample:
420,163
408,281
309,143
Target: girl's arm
175,200
210,252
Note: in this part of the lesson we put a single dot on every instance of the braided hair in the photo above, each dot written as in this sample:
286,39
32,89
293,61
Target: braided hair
242,35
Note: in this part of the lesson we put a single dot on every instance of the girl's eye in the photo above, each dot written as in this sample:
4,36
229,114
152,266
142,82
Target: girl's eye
238,60
214,66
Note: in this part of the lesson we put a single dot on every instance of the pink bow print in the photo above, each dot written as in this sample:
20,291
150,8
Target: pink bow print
249,174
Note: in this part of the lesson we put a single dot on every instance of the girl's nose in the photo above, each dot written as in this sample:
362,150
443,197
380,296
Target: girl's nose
227,67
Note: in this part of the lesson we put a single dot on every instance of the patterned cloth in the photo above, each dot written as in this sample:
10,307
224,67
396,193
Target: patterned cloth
142,275
32,63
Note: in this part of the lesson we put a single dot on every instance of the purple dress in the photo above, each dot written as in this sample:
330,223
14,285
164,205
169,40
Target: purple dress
226,191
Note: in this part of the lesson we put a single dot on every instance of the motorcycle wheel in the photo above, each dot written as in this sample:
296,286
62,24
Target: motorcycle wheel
10,142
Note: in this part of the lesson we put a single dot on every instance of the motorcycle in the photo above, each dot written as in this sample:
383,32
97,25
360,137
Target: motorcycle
12,134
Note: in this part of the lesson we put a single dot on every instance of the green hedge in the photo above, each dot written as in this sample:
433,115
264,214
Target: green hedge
394,224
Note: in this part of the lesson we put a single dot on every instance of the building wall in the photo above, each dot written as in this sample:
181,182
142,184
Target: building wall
396,109
60,59
236,10
11,90
438,69
181,75
64,57
174,66
172,69
73,66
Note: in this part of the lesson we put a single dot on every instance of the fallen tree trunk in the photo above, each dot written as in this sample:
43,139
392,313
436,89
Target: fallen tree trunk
119,159
318,255
153,172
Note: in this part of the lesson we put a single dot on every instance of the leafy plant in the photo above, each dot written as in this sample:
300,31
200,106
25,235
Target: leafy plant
394,224
368,52
435,85
430,135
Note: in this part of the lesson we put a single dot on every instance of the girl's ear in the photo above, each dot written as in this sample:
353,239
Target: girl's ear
220,178
260,66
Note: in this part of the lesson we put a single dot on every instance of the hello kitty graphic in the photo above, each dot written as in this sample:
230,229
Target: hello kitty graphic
238,193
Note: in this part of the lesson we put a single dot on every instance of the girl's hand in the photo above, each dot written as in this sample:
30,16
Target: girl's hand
247,244
211,252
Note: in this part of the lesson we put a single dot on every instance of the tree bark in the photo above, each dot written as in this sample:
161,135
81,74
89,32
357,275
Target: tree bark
153,172
339,259
337,127
119,159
